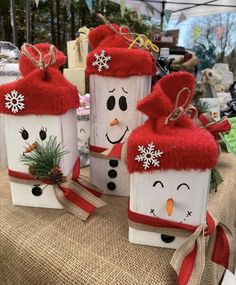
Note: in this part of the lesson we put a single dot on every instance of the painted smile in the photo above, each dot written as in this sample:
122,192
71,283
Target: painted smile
189,214
120,139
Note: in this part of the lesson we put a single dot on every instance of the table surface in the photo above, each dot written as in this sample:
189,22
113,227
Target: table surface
46,246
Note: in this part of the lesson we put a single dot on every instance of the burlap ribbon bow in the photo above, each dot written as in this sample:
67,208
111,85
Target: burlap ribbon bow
189,259
75,194
207,122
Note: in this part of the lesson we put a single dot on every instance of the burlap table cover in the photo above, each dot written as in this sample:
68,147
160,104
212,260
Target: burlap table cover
44,246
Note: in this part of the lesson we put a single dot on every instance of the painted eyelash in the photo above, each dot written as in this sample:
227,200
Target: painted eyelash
21,130
112,90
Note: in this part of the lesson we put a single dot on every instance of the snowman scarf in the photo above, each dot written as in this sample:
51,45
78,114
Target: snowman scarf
118,151
76,195
189,259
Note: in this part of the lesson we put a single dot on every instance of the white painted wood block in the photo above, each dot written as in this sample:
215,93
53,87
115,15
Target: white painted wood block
109,175
3,151
229,278
149,192
114,98
74,60
76,76
64,127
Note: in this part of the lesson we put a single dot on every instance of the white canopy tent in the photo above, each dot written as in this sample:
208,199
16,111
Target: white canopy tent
159,9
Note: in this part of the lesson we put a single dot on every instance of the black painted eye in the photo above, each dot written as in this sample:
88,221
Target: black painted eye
183,184
111,101
123,103
43,134
158,182
24,134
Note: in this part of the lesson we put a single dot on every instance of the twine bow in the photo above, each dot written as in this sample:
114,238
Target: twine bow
179,110
40,61
142,41
134,39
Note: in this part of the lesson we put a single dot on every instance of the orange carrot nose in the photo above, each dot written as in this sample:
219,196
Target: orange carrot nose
169,206
30,148
114,122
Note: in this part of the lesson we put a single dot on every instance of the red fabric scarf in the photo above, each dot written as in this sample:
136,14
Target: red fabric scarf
221,250
81,202
115,152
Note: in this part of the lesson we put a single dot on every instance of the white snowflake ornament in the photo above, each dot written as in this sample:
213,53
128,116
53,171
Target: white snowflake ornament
101,60
149,155
14,101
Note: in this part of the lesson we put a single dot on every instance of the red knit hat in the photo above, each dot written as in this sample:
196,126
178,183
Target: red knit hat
112,57
43,50
43,89
169,139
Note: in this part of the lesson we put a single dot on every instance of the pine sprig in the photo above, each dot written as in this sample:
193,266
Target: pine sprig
44,158
202,107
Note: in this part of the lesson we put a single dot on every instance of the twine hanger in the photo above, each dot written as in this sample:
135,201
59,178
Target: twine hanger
140,41
42,62
83,37
179,110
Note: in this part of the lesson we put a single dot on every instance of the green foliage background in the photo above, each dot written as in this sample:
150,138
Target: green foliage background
58,21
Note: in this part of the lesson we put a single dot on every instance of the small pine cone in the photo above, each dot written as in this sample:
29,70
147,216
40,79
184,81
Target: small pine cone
55,175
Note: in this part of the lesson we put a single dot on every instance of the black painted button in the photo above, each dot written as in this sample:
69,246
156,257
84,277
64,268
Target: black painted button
37,191
111,186
113,163
167,239
112,173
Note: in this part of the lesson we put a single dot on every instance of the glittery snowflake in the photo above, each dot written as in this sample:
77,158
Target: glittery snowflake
101,60
14,101
149,155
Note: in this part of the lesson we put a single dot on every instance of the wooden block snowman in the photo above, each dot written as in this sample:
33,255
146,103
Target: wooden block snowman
169,160
119,76
35,107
